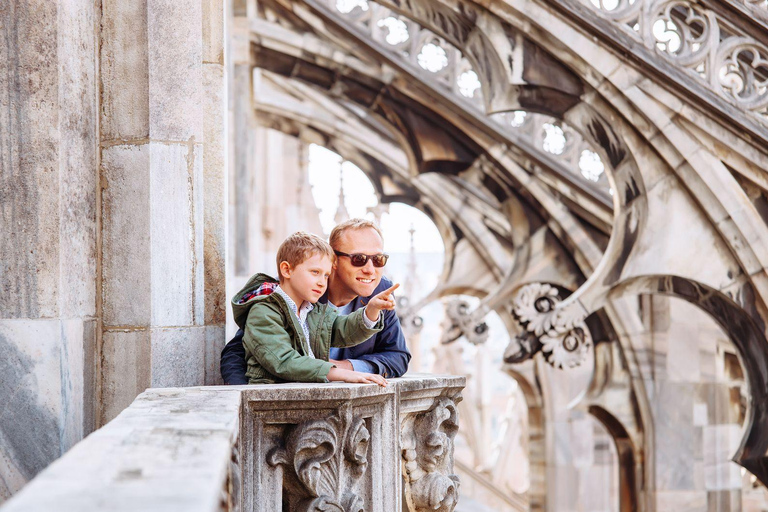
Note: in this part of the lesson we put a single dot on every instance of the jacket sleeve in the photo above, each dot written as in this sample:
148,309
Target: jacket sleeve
268,341
233,365
390,354
349,330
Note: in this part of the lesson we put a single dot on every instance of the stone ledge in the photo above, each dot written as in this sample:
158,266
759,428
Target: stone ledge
188,449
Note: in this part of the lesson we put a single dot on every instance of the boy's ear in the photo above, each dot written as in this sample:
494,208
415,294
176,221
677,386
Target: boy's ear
284,270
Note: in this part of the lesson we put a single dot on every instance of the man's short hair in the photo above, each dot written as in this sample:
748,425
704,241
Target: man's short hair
349,225
299,247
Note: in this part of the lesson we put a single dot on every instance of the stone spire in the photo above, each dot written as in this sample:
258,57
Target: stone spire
341,212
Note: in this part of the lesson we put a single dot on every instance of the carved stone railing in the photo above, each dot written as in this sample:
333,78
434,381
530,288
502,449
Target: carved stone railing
700,40
443,64
294,447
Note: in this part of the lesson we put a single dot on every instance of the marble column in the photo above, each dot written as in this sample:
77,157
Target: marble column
48,254
162,79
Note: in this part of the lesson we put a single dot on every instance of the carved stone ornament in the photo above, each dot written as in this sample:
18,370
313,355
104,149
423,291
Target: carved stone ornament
560,333
323,461
461,321
427,450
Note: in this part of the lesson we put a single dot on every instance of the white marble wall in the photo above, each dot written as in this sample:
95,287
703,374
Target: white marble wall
48,228
112,137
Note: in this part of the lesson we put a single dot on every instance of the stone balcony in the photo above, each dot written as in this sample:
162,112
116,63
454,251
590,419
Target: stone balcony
291,447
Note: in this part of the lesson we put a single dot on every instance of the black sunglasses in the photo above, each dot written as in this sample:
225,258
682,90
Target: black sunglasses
359,260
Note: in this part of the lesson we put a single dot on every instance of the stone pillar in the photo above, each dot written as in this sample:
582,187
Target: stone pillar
215,184
161,76
48,263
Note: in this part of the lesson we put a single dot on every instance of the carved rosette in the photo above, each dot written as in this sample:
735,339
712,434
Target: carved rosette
461,321
427,450
323,460
562,335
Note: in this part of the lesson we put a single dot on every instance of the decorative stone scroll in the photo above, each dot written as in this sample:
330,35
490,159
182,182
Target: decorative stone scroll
323,460
460,320
559,333
427,449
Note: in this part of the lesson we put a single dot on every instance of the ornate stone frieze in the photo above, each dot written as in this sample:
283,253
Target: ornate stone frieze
323,460
427,449
696,38
460,320
559,332
445,66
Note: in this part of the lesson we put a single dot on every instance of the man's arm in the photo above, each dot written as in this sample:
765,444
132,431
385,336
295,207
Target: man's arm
233,365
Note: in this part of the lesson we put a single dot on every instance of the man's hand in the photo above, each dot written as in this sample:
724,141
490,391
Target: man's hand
383,300
344,364
341,375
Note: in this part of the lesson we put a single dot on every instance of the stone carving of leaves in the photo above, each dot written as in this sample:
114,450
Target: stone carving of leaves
427,448
534,305
324,459
314,449
356,447
564,337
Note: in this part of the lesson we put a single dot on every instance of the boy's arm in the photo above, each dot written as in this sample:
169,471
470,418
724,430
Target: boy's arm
349,330
267,340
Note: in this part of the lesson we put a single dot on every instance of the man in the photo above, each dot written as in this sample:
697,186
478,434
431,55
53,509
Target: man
355,278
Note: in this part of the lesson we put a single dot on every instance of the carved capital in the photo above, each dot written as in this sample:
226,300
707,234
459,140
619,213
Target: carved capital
323,460
427,451
460,320
558,332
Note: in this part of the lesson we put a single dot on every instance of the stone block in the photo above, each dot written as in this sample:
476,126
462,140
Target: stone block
31,412
126,370
124,71
175,59
213,31
683,356
676,445
681,501
719,444
175,190
78,160
29,160
126,216
215,339
178,356
215,200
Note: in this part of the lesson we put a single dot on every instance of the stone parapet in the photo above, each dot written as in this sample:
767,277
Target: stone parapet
288,447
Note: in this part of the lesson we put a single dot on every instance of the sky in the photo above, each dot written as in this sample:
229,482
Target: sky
325,167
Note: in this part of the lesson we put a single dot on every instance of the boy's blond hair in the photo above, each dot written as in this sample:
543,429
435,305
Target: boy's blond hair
349,225
299,247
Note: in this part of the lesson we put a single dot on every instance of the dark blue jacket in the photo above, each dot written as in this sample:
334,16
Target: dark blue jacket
386,350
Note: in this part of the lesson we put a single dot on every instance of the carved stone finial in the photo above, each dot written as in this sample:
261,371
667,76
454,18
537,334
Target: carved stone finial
427,450
461,321
560,333
324,459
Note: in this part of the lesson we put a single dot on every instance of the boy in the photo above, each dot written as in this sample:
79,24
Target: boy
287,334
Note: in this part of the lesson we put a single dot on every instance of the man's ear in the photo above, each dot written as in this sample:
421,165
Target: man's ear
285,269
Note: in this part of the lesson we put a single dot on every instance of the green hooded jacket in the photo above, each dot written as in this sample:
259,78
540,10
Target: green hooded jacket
274,342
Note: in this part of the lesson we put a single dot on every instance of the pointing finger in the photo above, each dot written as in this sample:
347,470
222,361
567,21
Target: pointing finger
390,289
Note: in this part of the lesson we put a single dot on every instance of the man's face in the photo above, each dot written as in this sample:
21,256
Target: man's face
358,280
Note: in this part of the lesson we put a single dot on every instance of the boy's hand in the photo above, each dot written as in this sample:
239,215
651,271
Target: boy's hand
341,375
383,300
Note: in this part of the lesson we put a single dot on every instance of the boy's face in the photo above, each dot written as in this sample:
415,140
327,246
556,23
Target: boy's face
308,280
